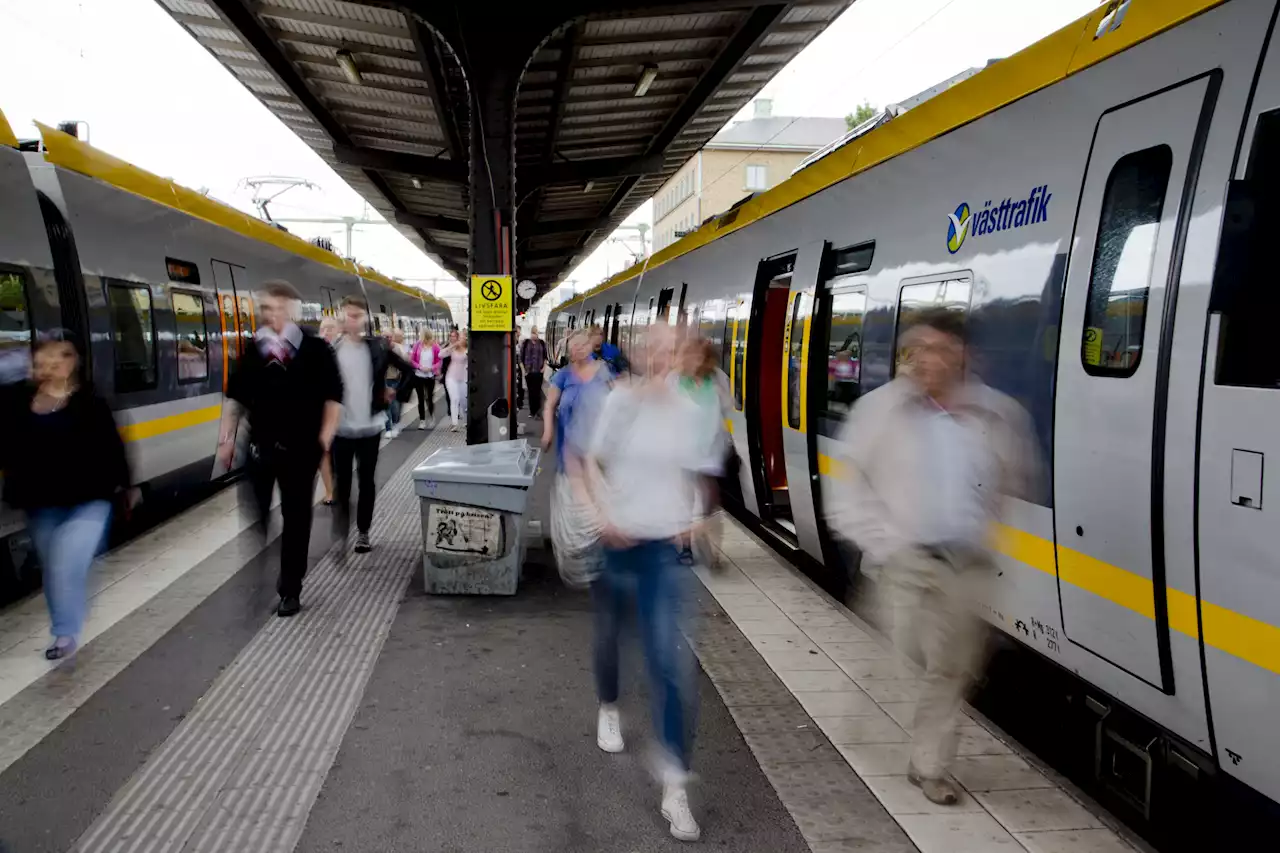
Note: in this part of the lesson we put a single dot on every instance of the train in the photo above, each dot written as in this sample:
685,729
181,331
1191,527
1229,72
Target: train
1099,205
158,282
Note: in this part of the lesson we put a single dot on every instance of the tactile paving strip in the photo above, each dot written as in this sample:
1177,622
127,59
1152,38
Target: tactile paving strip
243,770
833,809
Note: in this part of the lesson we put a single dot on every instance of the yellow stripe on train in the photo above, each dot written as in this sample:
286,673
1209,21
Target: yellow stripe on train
170,423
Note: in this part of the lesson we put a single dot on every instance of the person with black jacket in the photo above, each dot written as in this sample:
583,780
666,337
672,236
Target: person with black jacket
64,465
363,361
288,385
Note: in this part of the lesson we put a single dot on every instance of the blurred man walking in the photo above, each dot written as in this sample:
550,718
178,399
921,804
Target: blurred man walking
533,358
926,459
288,386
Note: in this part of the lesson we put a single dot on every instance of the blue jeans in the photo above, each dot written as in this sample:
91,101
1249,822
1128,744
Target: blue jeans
650,573
394,407
67,539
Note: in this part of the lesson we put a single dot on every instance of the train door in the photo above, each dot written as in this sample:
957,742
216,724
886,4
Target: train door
1238,491
224,283
835,384
1113,369
784,477
737,318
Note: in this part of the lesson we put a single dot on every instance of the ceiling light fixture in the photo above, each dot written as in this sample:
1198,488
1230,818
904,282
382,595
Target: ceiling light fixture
417,183
647,76
347,62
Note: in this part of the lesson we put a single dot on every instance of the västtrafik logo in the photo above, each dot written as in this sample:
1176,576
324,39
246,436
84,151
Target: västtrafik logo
1009,213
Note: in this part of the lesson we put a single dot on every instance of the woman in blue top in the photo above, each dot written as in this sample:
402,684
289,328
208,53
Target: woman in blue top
576,387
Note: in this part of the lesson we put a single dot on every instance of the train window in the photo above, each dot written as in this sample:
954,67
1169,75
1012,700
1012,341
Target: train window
852,259
1120,280
183,271
617,318
844,358
15,321
795,358
192,336
134,335
1242,289
951,292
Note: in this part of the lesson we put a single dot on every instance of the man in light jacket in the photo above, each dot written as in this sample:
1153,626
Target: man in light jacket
925,461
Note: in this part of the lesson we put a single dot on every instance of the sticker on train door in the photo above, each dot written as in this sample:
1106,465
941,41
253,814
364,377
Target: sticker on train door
1093,346
463,530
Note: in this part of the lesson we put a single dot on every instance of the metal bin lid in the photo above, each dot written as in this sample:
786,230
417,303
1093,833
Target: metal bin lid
498,463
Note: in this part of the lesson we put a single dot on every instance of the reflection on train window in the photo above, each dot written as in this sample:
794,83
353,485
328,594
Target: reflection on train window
844,358
133,334
192,337
15,322
739,365
916,298
1249,300
1120,281
795,358
247,324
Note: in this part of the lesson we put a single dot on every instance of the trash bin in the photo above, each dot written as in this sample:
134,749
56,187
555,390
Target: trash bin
499,414
473,503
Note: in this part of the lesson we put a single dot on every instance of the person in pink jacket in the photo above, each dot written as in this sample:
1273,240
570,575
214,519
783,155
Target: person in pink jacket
425,357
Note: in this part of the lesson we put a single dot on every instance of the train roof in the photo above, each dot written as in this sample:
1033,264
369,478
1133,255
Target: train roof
1059,55
64,150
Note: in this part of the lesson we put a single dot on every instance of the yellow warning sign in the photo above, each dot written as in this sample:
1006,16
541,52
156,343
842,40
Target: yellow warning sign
492,303
1093,346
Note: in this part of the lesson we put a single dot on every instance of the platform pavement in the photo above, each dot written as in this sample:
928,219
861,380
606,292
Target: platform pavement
383,719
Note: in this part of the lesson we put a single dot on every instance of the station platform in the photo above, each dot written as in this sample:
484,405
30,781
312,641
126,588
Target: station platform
383,719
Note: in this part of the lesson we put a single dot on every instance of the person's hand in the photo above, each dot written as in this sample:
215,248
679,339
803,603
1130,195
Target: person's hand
614,538
388,394
132,497
547,438
326,441
226,453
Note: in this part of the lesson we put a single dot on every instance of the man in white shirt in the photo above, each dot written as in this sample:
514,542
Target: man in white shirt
925,461
362,361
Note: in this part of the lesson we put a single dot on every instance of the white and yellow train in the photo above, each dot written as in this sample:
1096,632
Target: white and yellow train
159,281
1101,205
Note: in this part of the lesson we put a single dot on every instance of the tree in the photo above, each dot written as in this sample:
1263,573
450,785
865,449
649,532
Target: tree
860,115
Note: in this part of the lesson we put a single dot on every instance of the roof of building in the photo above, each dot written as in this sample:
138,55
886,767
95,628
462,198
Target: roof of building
797,133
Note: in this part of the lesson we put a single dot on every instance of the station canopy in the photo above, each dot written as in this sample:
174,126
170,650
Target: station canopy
615,99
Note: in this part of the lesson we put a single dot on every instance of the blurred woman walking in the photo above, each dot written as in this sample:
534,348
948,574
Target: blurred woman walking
455,378
64,465
425,357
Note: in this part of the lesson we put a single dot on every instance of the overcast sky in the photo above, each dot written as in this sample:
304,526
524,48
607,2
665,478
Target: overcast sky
151,95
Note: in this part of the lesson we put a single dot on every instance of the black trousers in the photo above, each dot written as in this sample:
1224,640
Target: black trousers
295,471
426,388
519,386
534,382
364,453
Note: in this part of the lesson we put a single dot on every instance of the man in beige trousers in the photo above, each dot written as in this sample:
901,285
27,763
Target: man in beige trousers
926,460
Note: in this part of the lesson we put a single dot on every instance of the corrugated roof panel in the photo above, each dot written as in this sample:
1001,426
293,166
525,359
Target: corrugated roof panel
373,95
191,7
334,8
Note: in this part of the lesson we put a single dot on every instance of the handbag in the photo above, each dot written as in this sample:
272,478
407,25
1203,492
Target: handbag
575,536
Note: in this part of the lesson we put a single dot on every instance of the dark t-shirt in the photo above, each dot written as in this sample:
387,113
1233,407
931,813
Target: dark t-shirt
285,401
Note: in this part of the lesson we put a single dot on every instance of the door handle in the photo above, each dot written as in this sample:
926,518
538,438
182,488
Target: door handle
1246,478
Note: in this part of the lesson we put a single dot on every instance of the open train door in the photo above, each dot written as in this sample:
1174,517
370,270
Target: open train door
779,344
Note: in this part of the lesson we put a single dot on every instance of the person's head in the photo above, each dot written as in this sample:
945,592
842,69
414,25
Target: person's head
355,317
277,303
454,336
697,357
56,360
329,329
935,346
597,338
578,346
533,332
397,337
658,353
460,341
426,336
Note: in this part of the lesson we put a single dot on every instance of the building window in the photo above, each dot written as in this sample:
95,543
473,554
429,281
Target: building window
193,336
1116,312
757,178
133,334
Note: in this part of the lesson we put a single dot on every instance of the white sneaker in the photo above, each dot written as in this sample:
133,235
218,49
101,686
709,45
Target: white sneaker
609,730
675,808
394,432
422,424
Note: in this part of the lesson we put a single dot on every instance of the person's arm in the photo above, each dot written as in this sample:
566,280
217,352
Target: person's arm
331,388
855,510
549,411
227,431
